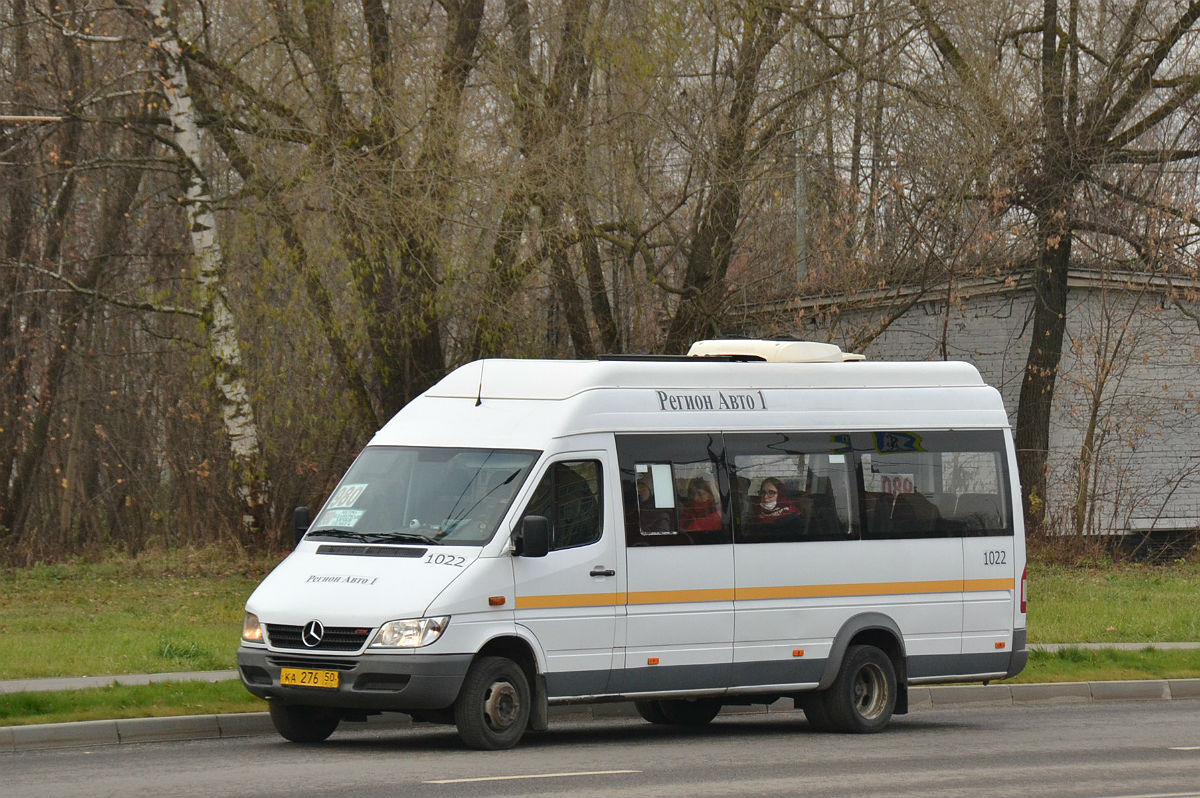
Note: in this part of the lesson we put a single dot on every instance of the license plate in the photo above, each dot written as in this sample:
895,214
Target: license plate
302,677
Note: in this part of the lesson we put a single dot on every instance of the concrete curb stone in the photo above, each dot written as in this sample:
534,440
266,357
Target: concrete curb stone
244,724
919,698
179,727
1184,688
66,735
1102,691
1060,693
970,694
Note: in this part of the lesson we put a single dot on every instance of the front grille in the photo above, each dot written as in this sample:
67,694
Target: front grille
337,638
312,663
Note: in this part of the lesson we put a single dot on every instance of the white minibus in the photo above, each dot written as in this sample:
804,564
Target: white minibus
757,520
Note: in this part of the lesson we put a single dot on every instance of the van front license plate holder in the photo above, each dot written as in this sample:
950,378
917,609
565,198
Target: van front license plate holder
305,677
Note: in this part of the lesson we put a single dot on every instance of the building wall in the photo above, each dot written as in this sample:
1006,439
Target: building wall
1146,415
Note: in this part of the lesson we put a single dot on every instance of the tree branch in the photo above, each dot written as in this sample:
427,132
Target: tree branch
74,288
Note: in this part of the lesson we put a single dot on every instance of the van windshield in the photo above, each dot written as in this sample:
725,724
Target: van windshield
423,495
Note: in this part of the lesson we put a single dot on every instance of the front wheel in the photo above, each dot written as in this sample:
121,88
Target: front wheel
302,724
863,696
492,710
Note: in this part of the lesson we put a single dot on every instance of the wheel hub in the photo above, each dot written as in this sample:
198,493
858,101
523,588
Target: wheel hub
870,691
501,705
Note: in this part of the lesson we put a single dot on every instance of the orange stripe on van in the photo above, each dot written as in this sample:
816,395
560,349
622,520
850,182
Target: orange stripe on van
760,593
571,600
681,596
862,589
972,585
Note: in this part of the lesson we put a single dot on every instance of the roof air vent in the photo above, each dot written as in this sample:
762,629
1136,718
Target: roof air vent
774,351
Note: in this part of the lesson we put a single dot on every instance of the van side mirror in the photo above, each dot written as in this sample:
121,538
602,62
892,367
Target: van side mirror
533,538
301,520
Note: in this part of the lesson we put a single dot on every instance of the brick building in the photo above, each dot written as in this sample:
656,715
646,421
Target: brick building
1129,381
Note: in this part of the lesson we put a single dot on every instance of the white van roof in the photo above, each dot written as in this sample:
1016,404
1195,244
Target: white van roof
561,379
523,404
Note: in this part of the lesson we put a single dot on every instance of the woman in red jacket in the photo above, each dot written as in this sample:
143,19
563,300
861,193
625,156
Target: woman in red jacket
700,511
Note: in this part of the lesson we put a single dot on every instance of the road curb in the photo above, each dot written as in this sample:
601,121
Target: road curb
199,727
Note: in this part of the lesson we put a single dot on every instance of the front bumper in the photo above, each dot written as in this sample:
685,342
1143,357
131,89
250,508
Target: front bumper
383,682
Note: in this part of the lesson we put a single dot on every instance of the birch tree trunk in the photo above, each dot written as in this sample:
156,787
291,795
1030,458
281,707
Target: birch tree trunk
220,326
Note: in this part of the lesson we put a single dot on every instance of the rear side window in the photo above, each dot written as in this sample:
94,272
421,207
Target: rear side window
569,496
932,484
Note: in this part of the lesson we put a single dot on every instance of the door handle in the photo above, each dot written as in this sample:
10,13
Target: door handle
600,570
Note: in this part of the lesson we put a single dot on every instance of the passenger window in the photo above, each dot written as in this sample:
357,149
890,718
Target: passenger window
569,496
933,485
789,488
671,490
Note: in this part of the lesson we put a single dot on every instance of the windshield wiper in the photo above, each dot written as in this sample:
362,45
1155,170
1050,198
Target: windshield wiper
340,534
403,537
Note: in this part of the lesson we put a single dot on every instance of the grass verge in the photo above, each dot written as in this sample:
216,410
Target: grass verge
164,612
1108,665
1127,603
182,611
118,701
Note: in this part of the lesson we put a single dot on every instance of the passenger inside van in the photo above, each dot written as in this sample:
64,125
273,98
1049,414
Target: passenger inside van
700,511
773,504
653,520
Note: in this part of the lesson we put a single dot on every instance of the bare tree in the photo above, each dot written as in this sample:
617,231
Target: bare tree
1107,89
224,343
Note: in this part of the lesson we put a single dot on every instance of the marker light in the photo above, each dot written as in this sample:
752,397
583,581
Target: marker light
410,633
252,631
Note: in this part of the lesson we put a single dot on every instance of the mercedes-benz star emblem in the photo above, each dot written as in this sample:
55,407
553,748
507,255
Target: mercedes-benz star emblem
312,634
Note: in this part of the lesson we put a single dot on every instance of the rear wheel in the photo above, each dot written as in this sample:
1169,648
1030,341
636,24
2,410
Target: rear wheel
492,710
693,712
863,696
651,711
302,724
813,705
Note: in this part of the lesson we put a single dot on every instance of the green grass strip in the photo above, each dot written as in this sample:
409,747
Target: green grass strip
1107,664
120,701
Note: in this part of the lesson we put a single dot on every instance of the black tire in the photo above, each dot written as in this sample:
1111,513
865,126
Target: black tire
302,724
813,705
493,706
651,711
863,696
690,712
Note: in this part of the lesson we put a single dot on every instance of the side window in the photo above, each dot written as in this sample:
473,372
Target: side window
933,484
789,487
569,496
672,490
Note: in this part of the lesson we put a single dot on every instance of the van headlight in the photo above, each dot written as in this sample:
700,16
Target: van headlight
252,631
410,633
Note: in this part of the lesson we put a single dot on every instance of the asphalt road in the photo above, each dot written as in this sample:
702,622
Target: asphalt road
1112,748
